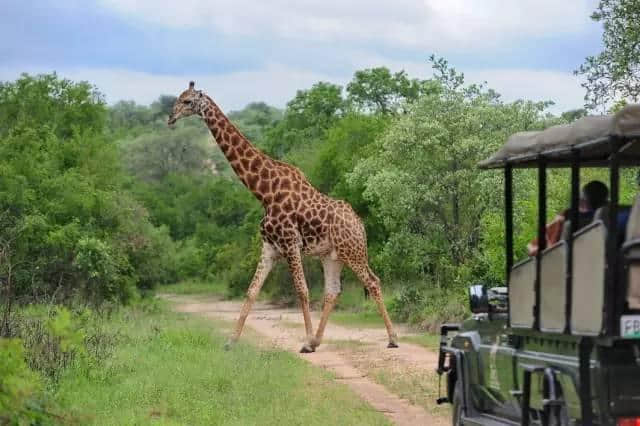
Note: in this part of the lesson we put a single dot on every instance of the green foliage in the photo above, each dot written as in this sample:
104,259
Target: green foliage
127,119
19,386
154,156
423,181
378,90
97,203
255,119
57,338
613,74
190,287
60,327
573,115
171,368
74,232
306,119
47,343
50,103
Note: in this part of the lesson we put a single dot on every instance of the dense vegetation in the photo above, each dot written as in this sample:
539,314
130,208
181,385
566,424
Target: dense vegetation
613,75
100,204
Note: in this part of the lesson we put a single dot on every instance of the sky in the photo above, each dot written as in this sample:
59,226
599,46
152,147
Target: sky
265,50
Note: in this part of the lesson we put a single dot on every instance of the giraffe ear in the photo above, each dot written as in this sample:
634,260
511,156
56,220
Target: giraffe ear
191,85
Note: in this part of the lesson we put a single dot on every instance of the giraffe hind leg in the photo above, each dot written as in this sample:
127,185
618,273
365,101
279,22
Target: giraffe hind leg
372,284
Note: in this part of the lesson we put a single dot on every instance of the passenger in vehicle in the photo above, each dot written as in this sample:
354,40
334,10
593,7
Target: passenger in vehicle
594,195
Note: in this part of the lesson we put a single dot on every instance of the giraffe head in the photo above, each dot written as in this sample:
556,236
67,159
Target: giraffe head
188,103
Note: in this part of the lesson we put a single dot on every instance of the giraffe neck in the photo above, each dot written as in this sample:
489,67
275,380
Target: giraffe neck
246,160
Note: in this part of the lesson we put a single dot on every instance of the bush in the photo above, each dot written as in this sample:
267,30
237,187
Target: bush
406,302
73,231
55,338
428,308
19,386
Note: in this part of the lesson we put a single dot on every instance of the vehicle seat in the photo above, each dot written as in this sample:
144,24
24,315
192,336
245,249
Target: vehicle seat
553,273
589,266
633,225
566,230
583,221
632,233
602,214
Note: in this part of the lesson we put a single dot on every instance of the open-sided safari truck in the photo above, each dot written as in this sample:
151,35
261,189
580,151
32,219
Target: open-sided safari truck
560,344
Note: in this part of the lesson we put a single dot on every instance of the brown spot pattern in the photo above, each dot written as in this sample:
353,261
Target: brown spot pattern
298,218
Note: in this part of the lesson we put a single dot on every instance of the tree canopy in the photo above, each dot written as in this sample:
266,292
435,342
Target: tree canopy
379,90
107,201
614,74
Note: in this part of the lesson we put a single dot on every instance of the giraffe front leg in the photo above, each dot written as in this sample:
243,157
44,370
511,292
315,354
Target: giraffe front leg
300,283
332,288
267,258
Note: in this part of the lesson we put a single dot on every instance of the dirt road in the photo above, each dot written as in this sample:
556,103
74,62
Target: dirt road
400,382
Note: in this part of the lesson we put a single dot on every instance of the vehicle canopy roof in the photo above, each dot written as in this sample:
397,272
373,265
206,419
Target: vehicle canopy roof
590,136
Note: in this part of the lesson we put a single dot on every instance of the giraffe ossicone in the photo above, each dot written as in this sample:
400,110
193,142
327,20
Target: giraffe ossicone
298,221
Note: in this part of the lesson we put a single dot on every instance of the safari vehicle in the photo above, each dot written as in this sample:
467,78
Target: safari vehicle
560,343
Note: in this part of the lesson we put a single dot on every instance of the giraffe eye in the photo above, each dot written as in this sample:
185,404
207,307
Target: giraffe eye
187,102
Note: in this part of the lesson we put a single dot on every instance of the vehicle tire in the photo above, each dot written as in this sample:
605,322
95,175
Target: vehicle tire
456,418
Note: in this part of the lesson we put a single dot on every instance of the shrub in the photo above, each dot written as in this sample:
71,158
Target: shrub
55,338
19,386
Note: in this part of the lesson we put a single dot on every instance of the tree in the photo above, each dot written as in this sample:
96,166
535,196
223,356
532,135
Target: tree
421,178
255,119
378,90
614,74
7,268
306,119
573,114
73,229
155,155
127,115
163,106
316,107
47,100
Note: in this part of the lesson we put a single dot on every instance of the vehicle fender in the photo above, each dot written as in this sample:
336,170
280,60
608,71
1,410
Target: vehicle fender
468,343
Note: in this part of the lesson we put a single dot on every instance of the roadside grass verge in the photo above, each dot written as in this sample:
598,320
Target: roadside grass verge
364,319
170,368
429,341
195,287
346,344
418,387
353,310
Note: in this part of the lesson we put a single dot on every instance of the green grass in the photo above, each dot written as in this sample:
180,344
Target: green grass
169,368
363,319
429,341
418,387
353,310
194,287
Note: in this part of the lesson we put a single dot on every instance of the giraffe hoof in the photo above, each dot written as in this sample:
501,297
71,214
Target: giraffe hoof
227,345
392,345
307,349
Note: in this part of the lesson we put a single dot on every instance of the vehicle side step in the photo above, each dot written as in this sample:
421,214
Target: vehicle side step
485,420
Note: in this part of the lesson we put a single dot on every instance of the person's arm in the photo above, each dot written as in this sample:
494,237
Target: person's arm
553,233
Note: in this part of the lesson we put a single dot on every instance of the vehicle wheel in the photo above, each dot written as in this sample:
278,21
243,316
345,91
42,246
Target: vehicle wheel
457,405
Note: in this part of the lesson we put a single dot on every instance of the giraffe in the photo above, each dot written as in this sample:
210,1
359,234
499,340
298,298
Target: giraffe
298,220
